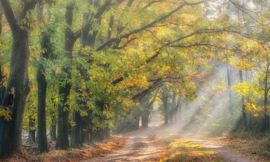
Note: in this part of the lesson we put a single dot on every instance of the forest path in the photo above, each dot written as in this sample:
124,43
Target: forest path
138,147
227,154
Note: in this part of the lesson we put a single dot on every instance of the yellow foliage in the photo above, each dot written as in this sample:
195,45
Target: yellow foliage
6,113
242,88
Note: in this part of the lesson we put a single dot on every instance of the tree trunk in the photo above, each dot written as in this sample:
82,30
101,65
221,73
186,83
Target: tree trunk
53,123
53,130
165,105
32,131
62,142
18,79
244,115
145,121
85,130
229,89
265,124
97,135
76,138
46,46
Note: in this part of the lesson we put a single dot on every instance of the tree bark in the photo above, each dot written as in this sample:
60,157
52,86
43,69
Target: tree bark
53,130
244,115
145,121
76,138
265,124
46,46
32,131
18,79
165,105
62,142
229,88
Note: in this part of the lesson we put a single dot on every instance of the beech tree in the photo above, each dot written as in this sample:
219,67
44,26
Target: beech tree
18,77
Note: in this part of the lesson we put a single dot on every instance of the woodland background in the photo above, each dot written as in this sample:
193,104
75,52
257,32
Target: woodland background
79,69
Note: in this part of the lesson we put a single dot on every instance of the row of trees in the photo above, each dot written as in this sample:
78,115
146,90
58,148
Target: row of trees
89,64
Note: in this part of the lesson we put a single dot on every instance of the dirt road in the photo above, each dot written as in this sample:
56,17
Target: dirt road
226,154
138,147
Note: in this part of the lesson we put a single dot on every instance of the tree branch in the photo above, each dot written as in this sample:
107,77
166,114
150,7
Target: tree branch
9,15
28,5
100,12
149,4
148,25
147,90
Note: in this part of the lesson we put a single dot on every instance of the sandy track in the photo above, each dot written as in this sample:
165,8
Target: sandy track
228,155
138,147
225,153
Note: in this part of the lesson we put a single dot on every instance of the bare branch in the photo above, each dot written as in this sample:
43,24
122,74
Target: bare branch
149,4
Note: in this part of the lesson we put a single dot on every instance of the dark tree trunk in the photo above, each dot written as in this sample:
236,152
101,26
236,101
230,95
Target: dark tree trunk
265,124
46,46
62,142
32,131
107,132
53,123
85,131
76,138
97,135
53,130
145,121
137,123
165,106
2,93
244,114
18,80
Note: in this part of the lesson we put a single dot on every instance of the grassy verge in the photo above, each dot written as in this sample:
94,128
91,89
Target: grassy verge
182,150
251,144
87,152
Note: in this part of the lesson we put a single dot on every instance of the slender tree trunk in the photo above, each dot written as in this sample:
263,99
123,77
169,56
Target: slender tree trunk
76,138
244,115
177,106
145,119
2,93
53,122
165,104
62,142
265,124
32,131
229,88
46,46
53,129
85,129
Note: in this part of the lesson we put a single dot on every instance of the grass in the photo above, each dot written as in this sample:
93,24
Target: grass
182,150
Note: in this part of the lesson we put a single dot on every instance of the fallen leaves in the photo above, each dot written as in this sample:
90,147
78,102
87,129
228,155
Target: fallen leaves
87,152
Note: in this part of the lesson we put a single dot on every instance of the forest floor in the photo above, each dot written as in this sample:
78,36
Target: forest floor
88,151
160,143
